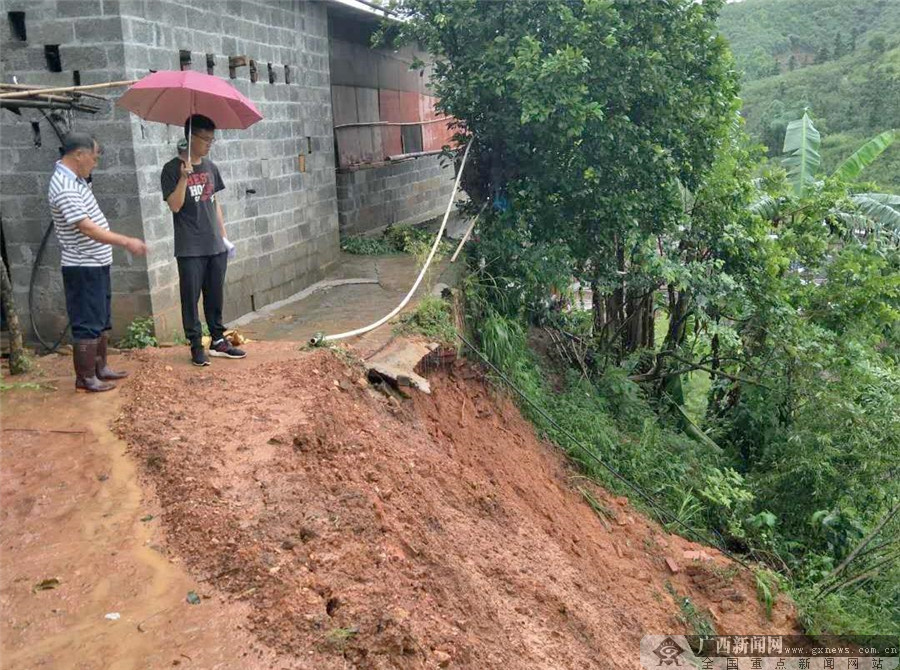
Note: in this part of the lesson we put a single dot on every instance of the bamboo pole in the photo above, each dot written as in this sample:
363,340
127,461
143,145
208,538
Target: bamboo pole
468,232
26,87
66,89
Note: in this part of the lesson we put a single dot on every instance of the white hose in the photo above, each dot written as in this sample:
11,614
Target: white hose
434,247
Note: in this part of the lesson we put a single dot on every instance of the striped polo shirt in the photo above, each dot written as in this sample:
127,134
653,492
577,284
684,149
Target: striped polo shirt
72,200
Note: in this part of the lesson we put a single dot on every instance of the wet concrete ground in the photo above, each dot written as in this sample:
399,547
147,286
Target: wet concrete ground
336,309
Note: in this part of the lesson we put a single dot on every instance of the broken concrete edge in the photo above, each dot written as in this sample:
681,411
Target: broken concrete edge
397,363
305,293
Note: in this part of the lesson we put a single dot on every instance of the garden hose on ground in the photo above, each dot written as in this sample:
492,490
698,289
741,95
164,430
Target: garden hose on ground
320,339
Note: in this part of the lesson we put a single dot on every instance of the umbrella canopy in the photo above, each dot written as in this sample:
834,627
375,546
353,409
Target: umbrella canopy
171,97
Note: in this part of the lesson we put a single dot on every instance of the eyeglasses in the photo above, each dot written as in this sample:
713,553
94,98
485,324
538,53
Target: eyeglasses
209,140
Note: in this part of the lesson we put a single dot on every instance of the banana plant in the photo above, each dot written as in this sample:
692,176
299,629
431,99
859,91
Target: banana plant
868,214
801,154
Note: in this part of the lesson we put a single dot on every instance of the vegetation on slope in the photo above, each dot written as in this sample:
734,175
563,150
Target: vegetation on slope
607,146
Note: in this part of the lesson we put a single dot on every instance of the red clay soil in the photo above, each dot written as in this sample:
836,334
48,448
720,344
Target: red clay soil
438,531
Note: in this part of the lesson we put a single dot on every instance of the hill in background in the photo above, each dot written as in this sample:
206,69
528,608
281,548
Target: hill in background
839,58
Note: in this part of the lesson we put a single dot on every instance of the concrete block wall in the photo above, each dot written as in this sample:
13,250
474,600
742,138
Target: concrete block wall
280,211
401,193
282,220
89,36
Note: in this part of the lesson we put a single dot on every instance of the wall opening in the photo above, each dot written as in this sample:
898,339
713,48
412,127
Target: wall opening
17,25
51,53
184,59
308,145
36,133
76,78
254,73
271,74
210,64
287,74
411,139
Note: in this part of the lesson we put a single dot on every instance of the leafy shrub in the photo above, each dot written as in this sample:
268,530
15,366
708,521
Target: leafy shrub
139,334
367,246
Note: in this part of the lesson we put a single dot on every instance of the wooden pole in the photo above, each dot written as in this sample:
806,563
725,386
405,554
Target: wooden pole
468,232
24,87
65,89
18,359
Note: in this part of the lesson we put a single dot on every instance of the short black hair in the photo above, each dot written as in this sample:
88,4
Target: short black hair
198,122
75,141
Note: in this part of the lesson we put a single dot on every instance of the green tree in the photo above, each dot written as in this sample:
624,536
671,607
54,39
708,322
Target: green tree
585,116
839,48
878,42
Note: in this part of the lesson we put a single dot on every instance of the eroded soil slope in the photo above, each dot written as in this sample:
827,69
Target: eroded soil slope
436,531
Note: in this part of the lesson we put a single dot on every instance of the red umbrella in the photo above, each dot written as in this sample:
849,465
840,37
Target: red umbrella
172,97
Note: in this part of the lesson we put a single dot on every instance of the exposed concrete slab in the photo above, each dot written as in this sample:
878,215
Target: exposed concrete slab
397,363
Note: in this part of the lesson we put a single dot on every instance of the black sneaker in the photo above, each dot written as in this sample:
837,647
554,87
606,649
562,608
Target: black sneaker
223,349
199,357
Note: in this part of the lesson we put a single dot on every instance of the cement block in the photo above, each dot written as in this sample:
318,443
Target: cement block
79,8
98,30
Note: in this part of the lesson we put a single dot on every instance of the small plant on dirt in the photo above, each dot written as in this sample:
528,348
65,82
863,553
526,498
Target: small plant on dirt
367,246
725,573
433,318
339,637
139,334
690,616
766,589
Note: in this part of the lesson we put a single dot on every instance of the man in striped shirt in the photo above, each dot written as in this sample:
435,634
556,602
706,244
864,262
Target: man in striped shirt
85,239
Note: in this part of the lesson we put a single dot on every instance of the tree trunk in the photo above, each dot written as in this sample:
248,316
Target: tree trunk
18,359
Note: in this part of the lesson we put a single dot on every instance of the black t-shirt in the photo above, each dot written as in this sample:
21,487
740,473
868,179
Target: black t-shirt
196,226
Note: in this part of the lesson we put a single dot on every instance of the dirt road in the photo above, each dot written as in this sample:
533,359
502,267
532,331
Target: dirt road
73,509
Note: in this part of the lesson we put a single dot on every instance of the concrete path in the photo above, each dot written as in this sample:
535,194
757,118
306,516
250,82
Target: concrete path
339,308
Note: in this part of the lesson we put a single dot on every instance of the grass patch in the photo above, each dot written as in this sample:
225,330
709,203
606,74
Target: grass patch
367,246
26,386
395,240
433,318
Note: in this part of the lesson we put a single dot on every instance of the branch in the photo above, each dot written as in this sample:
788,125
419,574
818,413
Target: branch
735,378
862,545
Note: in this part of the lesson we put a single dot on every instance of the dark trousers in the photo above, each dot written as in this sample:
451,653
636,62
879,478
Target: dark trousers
206,275
88,300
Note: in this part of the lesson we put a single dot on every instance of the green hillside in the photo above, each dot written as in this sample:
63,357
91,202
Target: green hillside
839,58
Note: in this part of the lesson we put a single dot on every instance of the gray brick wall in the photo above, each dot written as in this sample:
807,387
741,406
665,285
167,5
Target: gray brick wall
406,192
89,35
283,221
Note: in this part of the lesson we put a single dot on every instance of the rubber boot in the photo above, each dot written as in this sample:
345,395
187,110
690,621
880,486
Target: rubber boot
85,356
103,370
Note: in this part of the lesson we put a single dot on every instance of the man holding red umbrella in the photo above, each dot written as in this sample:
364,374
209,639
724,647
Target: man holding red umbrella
190,183
189,186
